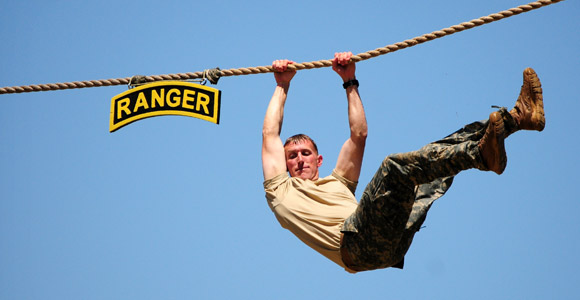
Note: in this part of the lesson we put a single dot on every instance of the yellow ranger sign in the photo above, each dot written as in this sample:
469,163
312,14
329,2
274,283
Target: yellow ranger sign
165,98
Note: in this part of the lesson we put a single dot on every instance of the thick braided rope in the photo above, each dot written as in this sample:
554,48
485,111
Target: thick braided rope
296,66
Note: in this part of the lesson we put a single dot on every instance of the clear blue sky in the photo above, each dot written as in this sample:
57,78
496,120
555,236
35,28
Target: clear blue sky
173,207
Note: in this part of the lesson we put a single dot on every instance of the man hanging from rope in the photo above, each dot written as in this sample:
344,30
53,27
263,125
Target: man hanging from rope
376,232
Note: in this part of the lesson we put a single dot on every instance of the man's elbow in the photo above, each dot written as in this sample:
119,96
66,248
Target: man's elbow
270,132
359,134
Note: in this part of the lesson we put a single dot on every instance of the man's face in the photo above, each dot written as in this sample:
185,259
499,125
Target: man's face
302,160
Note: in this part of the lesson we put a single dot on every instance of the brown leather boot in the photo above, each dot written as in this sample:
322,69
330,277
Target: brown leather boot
528,112
492,145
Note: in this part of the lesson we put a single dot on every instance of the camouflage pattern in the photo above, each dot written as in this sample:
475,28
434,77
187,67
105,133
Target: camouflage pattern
395,203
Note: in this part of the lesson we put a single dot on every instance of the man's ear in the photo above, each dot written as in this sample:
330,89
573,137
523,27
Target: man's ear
319,160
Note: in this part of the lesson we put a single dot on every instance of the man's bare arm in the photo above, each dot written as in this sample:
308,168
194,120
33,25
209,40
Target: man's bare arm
273,158
351,155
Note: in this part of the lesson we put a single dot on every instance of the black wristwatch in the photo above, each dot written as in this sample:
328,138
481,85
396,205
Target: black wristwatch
350,83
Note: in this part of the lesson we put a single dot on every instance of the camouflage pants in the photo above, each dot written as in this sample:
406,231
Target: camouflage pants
395,203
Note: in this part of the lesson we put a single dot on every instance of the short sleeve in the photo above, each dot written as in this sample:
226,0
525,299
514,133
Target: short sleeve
351,185
274,182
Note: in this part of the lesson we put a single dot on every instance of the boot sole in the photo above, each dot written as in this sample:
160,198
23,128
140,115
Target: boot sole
538,119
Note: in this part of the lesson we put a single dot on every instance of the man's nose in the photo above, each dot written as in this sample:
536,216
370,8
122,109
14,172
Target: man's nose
300,159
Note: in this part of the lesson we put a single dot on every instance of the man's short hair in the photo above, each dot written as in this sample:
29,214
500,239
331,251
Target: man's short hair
299,138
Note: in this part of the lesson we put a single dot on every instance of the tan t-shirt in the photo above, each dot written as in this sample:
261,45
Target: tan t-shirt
314,211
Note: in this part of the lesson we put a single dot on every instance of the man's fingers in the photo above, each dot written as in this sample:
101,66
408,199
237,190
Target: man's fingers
278,65
343,58
281,65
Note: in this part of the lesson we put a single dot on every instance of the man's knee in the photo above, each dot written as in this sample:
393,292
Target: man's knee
396,168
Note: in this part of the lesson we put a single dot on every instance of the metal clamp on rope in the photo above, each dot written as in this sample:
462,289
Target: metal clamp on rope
136,81
213,75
